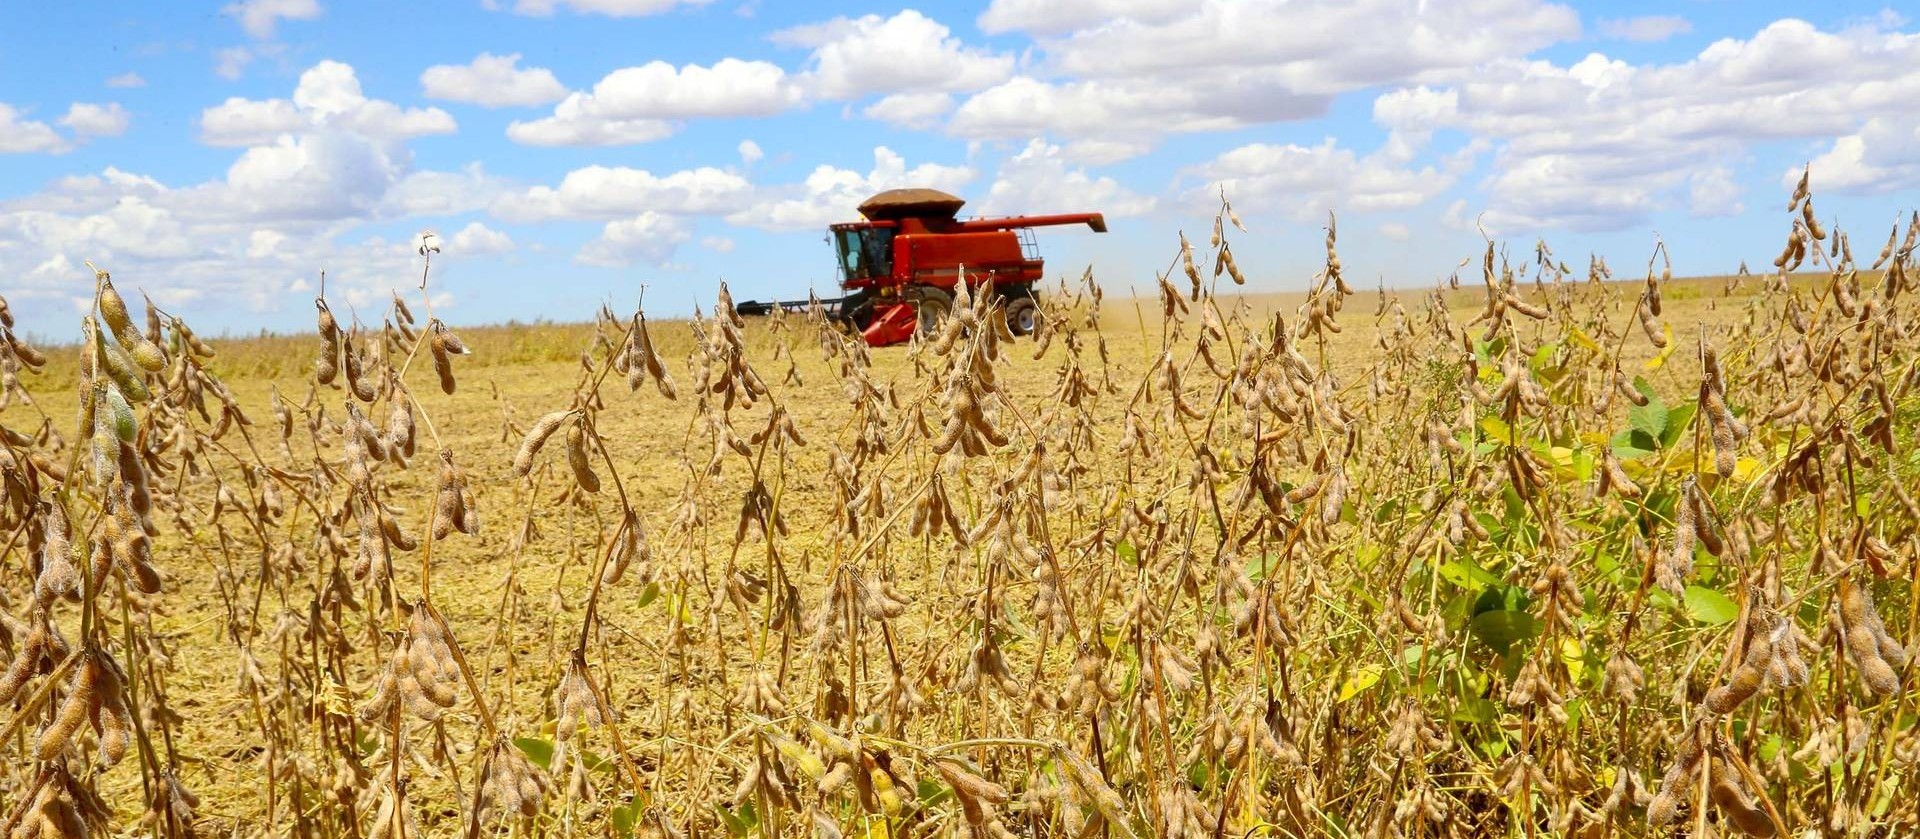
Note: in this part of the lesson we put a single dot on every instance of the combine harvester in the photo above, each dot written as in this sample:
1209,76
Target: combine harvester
900,266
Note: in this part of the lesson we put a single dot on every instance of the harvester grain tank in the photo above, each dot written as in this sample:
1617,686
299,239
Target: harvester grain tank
900,265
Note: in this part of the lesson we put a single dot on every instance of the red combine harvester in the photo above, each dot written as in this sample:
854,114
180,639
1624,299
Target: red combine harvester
900,266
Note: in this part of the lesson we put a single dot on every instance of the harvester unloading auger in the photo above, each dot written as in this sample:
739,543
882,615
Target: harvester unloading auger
900,266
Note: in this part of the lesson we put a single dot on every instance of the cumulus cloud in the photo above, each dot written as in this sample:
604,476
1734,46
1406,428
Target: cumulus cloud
1051,17
196,243
641,104
1025,106
608,8
19,135
1647,29
261,17
1304,182
829,194
1880,157
1601,143
1712,193
1041,179
303,177
495,81
231,63
287,206
649,237
1134,70
438,193
854,57
750,152
328,98
477,239
606,192
911,110
87,119
1101,152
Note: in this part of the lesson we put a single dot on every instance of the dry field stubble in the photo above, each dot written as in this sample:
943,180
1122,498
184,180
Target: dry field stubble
1323,564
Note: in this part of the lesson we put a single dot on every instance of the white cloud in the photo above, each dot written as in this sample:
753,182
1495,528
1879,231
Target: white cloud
19,135
436,193
606,192
315,176
1314,47
230,63
477,239
1601,143
88,119
717,244
328,97
906,52
1131,111
1304,182
1223,64
574,124
830,194
126,80
1881,157
1712,193
260,17
1396,231
1647,29
240,122
1051,17
609,8
750,152
183,244
494,81
640,104
649,237
87,193
288,206
1040,180
917,111
1098,152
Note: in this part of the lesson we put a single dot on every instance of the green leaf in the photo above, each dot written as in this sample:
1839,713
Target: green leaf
1651,417
1497,430
537,750
1542,359
1366,555
1500,628
1583,465
736,826
1199,775
626,819
1467,574
1259,566
1708,606
1633,444
648,594
1127,553
931,792
1476,710
1678,418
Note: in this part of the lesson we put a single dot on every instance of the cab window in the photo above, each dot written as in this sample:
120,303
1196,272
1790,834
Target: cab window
865,252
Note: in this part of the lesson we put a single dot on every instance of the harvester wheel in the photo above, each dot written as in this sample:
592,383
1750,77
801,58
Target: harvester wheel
930,307
1022,315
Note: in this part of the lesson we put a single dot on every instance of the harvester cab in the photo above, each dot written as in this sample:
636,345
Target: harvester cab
900,265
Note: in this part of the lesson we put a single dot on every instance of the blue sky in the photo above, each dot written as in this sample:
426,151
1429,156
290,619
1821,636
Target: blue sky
220,156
